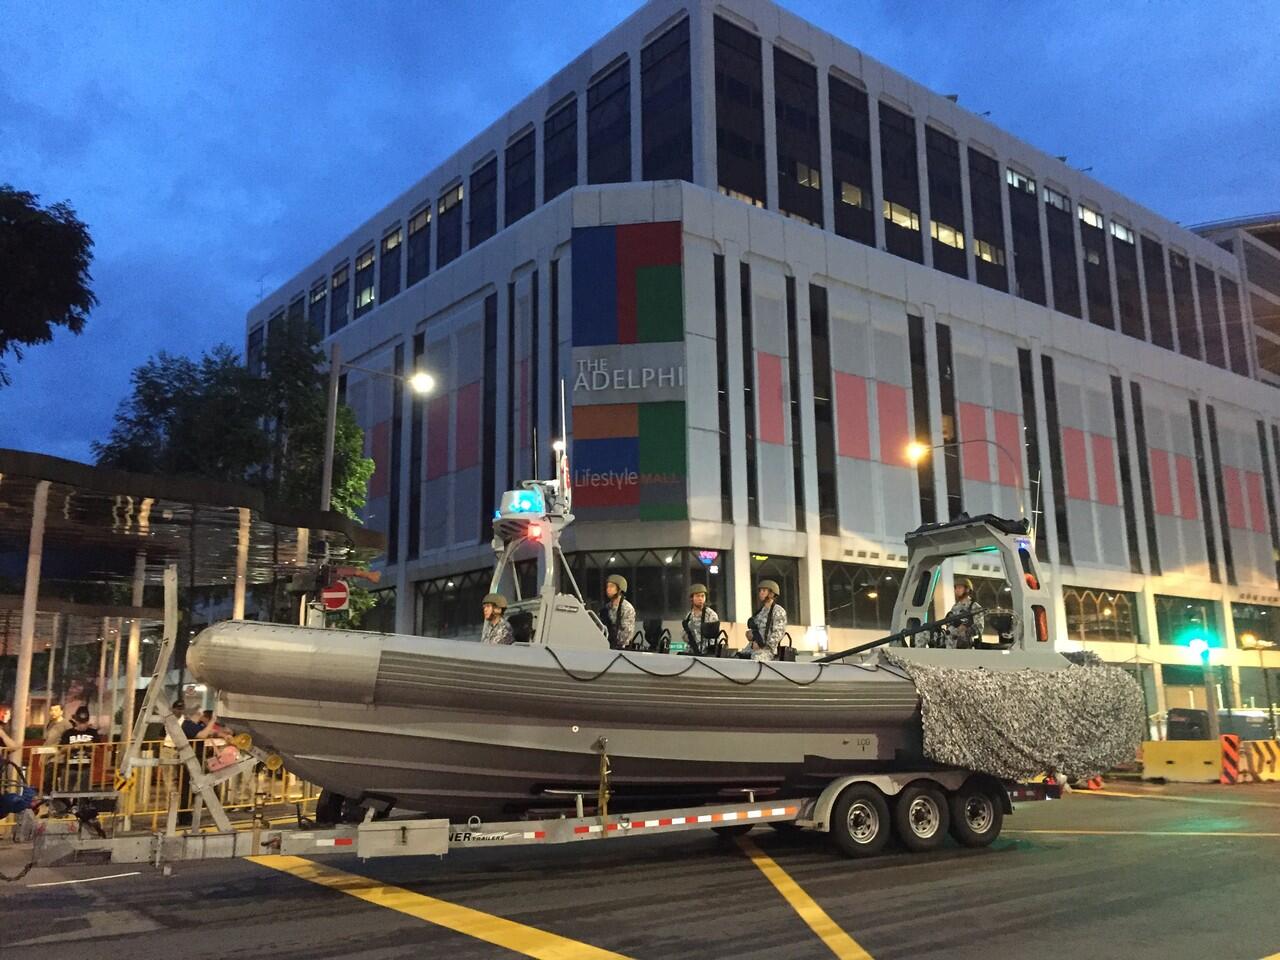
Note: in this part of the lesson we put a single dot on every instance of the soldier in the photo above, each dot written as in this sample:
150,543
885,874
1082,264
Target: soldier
963,634
699,614
619,615
767,628
496,628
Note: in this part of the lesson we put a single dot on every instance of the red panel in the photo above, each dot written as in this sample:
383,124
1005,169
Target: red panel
895,432
1161,488
1233,491
852,418
1104,469
437,438
1187,504
1009,436
467,417
1073,458
975,458
1257,504
649,245
380,452
771,404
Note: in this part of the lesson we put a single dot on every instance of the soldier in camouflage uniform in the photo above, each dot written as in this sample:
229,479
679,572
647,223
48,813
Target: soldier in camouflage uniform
963,634
619,615
496,628
768,627
700,614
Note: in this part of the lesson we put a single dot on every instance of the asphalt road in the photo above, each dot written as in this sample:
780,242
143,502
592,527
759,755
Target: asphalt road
1178,872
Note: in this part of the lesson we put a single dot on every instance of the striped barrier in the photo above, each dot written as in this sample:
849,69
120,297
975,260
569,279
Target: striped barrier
1260,761
1230,759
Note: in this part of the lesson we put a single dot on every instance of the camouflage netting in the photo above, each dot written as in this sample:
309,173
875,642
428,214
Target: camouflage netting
1079,721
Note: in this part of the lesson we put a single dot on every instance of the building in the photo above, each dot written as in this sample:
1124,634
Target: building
762,263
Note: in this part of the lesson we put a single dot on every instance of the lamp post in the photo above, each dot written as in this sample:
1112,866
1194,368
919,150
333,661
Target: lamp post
419,382
917,451
1200,647
1251,641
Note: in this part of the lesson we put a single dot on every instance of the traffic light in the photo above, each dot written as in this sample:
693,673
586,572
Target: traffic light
1200,647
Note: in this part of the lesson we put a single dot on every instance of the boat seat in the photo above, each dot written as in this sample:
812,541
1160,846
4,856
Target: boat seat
521,626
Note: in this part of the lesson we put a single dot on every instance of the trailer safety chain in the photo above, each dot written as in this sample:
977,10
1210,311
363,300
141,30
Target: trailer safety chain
603,791
761,666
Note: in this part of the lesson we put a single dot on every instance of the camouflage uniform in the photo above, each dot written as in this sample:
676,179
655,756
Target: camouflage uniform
693,622
962,635
499,632
619,613
770,624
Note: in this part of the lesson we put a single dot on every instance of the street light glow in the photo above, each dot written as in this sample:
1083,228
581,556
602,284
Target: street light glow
422,382
1199,647
558,446
916,451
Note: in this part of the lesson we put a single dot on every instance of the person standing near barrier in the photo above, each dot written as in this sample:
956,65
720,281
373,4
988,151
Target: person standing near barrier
55,726
78,741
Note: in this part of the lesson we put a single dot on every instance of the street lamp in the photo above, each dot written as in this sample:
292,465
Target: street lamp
419,382
1251,641
917,451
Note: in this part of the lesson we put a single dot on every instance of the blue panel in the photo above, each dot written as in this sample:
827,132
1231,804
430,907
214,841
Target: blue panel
595,286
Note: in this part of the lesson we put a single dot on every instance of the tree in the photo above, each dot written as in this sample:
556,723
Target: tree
46,253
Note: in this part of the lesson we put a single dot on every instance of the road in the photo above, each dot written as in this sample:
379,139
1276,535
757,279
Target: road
1162,872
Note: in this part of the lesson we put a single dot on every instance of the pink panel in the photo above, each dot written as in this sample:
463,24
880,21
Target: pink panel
1009,436
437,439
467,436
1233,491
1257,504
1161,488
770,403
380,452
975,458
1104,469
891,403
854,439
1073,458
1188,506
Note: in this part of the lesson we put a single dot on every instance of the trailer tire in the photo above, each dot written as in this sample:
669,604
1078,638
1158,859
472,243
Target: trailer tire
860,821
921,817
732,830
976,815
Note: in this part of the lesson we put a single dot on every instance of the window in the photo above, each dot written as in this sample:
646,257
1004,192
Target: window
920,415
793,394
560,150
397,430
489,417
535,348
484,204
1097,278
1179,620
255,350
297,309
1099,615
1056,466
316,309
553,349
1031,439
1126,481
722,390
339,298
1269,489
1059,201
1144,477
520,163
413,528
748,391
1202,475
1091,216
513,386
986,202
449,210
859,596
795,100
658,580
1062,253
946,203
609,126
739,113
1228,554
785,570
447,605
1122,233
389,268
823,417
1184,302
1238,350
365,295
1215,350
1024,220
950,455
1124,252
900,179
851,160
418,260
1257,626
666,117
1157,293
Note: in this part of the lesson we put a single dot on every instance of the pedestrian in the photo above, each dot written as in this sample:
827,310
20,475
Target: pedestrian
78,741
964,633
767,628
55,726
496,629
619,615
6,715
700,614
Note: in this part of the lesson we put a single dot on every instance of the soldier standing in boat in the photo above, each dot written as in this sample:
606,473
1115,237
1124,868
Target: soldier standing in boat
619,615
698,616
768,627
962,634
496,628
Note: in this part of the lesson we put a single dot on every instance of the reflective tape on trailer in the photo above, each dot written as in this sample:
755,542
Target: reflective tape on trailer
728,816
336,842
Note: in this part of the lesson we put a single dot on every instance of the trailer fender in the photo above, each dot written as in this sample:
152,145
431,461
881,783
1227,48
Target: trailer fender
817,816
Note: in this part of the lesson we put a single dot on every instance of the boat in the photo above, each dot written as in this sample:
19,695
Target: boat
463,730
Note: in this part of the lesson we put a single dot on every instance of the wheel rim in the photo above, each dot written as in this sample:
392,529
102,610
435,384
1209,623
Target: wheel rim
923,818
862,822
978,813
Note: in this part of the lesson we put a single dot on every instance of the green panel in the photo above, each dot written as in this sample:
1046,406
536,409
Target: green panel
662,438
663,511
659,304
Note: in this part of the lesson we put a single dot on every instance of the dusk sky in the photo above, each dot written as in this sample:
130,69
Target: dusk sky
216,148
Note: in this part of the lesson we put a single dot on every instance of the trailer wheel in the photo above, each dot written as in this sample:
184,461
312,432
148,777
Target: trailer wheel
921,817
860,821
976,816
732,829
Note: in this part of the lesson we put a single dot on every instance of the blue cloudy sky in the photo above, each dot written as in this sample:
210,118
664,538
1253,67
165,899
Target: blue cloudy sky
214,148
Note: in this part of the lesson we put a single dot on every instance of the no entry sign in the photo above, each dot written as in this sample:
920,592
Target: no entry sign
335,597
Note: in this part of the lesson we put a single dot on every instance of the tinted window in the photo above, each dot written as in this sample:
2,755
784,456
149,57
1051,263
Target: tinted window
949,454
520,162
560,150
946,203
985,200
1031,431
389,266
609,126
364,283
851,161
418,259
795,101
1157,293
739,113
255,350
339,298
793,395
1144,477
449,210
1024,221
317,308
1062,252
1185,306
1054,426
860,596
1238,349
823,419
1128,291
900,180
1215,350
920,416
484,204
1202,476
748,391
666,124
1126,480
722,389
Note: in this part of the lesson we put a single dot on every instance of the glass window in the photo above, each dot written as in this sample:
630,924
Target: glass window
1121,232
1236,334
1268,487
1062,253
1058,201
1031,437
799,153
1179,620
609,126
1020,181
785,570
1097,278
449,211
666,119
1184,301
365,295
560,150
339,298
1224,527
319,300
1090,216
1215,350
851,160
489,416
823,419
1126,480
739,113
1124,252
1056,465
520,167
923,432
793,396
900,216
949,455
722,387
900,180
255,350
946,203
986,203
658,581
1157,293
484,204
1202,481
1024,220
947,235
748,390
297,310
389,267
418,260
1095,614
859,596
450,606
1257,626
1144,476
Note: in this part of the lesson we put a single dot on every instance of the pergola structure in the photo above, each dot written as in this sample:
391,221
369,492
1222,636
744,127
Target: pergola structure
87,543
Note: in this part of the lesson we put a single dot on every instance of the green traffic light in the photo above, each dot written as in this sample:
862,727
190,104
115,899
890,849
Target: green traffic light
1200,648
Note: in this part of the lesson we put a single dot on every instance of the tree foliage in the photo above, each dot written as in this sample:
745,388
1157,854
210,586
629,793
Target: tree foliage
45,254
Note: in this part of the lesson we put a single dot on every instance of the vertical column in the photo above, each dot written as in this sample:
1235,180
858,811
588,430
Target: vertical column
824,148
922,176
135,642
702,105
1046,255
242,566
115,678
582,175
406,398
966,200
812,581
770,126
103,642
877,181
30,596
51,665
1006,217
1044,482
741,575
637,144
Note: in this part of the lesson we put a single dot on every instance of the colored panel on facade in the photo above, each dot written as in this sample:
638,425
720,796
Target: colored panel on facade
895,432
852,416
659,304
1161,487
380,451
640,475
663,461
595,294
770,403
1104,469
467,433
1188,508
1233,492
1076,463
1009,436
975,457
606,473
1258,519
437,439
627,284
606,420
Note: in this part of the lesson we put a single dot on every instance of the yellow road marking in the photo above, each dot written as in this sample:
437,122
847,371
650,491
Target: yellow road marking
1151,796
839,942
529,941
1153,833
